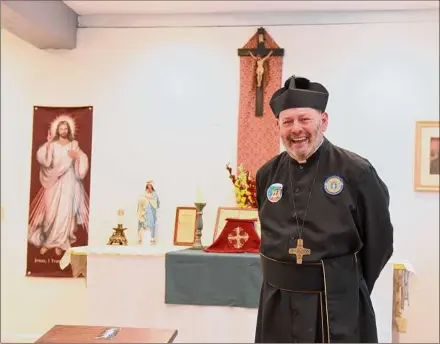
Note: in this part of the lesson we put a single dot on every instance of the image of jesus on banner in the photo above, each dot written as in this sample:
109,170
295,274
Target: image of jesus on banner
61,204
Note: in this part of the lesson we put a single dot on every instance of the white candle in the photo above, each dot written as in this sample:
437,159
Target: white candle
199,196
120,216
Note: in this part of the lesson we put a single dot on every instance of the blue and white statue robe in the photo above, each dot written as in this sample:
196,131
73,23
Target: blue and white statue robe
148,205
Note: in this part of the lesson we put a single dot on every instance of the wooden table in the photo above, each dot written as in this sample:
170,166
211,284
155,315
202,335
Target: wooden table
88,334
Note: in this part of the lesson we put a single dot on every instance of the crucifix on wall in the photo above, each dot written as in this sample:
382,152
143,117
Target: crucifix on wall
260,54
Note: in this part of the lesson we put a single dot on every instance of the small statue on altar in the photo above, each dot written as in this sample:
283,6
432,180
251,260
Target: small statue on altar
148,204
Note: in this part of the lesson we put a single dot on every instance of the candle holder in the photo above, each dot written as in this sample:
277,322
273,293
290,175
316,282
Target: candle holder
118,236
199,226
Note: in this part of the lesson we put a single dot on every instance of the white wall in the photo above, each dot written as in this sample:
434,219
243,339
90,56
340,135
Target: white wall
165,103
28,305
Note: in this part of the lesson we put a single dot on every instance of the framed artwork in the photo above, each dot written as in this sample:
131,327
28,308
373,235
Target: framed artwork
426,164
240,213
185,226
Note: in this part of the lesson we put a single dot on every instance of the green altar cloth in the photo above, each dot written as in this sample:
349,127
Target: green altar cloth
195,277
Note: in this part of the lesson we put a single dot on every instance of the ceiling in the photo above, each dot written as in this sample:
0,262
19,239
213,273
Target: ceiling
204,6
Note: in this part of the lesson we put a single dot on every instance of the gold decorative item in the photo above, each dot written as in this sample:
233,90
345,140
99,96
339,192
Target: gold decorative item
118,236
199,226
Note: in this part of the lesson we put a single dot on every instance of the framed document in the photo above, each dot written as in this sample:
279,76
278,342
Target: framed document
185,226
239,213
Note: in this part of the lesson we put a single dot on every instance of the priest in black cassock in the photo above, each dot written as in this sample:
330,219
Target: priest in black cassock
326,232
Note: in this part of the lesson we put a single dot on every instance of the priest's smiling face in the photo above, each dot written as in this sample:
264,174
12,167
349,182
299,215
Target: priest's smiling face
302,130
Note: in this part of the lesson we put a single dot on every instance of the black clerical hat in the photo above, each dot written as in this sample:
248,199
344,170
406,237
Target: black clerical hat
299,92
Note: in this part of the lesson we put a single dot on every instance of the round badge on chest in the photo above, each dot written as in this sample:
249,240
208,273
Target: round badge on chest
275,192
334,185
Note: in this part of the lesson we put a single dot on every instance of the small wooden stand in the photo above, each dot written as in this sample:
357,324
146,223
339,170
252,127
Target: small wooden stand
118,236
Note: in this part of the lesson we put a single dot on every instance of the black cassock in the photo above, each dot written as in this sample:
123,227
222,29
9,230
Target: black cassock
350,235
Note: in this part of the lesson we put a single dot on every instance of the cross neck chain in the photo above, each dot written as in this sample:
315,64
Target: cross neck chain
292,197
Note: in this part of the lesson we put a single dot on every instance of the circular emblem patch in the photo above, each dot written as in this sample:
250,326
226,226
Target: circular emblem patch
334,185
275,192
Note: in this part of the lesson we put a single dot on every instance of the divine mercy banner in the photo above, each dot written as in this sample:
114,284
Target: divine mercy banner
59,187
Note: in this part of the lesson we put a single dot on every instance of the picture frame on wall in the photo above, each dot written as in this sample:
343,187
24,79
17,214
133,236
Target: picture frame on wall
185,226
427,155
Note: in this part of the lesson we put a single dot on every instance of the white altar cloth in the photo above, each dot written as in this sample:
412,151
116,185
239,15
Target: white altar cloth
126,287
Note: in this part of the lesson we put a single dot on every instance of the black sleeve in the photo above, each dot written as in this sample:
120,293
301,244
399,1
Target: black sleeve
258,188
376,228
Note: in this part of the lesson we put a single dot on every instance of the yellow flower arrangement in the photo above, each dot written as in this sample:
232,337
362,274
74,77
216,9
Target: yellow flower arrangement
245,188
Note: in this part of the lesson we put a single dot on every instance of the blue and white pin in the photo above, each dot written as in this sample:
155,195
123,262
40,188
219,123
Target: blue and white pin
275,192
334,185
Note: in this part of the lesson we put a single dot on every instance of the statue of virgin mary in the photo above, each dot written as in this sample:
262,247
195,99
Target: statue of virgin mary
148,204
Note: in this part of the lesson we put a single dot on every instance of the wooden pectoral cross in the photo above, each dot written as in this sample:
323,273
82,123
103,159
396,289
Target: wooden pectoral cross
299,251
260,55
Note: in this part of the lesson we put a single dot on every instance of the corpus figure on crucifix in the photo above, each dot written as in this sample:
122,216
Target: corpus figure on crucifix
260,66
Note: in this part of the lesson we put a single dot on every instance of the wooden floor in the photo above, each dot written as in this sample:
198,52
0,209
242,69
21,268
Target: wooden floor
88,334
